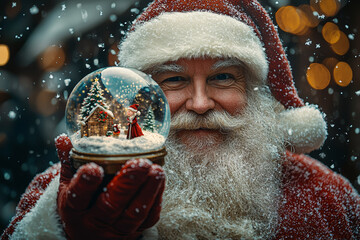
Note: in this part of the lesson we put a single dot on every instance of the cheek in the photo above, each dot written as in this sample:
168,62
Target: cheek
176,100
232,101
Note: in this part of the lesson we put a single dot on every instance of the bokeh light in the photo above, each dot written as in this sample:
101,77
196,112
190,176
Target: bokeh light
293,20
318,76
330,63
343,74
330,32
45,102
329,7
52,59
4,54
316,6
312,20
342,46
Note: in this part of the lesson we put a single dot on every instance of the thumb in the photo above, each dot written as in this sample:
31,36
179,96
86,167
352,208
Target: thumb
63,147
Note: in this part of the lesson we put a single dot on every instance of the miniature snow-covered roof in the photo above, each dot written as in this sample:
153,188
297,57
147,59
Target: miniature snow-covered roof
110,113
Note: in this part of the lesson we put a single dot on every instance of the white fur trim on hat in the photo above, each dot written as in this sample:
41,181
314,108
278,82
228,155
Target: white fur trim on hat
172,36
305,128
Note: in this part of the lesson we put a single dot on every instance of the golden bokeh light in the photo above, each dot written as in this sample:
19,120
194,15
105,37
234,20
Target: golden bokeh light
52,59
330,63
316,6
4,54
343,74
312,20
318,76
330,32
342,46
44,102
329,7
304,23
292,20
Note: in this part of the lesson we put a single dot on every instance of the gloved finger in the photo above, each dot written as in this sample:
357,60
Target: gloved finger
63,147
140,206
83,186
154,213
121,189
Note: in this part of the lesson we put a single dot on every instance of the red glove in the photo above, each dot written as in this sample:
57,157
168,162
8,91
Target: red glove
129,204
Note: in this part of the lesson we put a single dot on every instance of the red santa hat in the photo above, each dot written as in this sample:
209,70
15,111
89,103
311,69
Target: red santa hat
134,108
169,30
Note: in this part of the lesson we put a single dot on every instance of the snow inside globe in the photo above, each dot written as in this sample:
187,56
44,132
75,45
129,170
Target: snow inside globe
114,114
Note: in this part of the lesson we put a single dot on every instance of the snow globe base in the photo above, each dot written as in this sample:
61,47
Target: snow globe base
113,163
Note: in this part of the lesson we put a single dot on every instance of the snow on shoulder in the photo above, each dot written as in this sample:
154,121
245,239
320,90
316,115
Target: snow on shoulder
113,146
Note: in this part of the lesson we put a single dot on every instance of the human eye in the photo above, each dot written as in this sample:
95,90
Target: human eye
222,79
173,83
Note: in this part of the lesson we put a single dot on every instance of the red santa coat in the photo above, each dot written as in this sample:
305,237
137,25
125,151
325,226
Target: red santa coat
134,129
317,204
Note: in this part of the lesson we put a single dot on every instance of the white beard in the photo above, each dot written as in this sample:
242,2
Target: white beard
232,190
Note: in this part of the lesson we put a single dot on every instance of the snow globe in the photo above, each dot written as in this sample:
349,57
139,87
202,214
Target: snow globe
115,114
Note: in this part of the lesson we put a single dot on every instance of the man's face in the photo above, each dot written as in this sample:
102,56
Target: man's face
200,86
129,113
211,183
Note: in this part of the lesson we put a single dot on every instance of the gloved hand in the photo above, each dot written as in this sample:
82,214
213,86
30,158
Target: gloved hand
129,204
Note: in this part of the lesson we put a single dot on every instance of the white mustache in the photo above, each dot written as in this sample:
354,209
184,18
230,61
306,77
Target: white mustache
211,120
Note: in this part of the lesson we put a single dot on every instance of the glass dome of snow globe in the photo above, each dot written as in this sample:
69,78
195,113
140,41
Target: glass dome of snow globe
115,114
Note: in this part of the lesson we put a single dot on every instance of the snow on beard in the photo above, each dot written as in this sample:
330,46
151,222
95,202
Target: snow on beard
231,190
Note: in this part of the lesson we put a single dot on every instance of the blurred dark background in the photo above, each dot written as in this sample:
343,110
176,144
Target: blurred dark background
47,46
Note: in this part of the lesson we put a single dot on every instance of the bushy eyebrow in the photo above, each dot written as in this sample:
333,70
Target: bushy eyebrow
227,63
172,67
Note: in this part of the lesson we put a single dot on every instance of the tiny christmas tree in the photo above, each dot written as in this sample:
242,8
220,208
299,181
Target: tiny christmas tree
149,121
95,97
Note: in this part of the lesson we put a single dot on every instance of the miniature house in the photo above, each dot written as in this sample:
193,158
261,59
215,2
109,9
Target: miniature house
98,123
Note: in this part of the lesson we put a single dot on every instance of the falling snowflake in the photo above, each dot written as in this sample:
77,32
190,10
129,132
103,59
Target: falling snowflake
67,81
12,115
135,10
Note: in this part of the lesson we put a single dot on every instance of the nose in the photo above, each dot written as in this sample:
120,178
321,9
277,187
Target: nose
200,100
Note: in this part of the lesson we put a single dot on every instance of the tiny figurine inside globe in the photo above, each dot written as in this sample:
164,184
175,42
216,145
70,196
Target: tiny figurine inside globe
117,112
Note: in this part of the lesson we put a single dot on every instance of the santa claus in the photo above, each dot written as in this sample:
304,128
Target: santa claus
134,130
235,167
116,130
